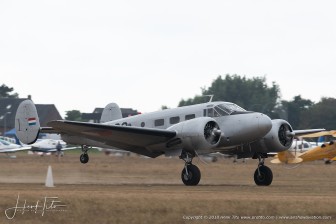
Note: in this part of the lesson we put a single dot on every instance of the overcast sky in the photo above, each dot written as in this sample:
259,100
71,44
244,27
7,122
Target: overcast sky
143,54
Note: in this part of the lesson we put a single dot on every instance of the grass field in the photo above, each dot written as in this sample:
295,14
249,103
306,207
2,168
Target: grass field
140,190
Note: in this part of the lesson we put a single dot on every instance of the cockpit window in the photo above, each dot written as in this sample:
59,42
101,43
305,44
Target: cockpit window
4,142
226,109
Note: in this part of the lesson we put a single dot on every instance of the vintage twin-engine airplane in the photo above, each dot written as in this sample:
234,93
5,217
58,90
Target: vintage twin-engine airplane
45,146
185,131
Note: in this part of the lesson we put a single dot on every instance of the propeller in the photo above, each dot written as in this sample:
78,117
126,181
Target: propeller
285,135
212,132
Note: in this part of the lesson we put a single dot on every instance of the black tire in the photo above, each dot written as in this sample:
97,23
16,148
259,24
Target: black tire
84,158
265,178
327,162
193,177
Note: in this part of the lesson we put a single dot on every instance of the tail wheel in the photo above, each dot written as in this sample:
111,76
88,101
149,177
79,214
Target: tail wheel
192,177
84,158
328,161
263,176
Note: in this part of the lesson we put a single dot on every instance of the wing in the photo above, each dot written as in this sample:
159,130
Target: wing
319,134
307,131
134,139
15,150
53,150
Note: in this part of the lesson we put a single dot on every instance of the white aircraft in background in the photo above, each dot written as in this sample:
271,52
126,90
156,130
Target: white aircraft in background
8,147
300,145
186,132
49,146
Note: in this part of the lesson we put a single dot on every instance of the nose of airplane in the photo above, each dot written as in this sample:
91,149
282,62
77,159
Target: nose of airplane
264,123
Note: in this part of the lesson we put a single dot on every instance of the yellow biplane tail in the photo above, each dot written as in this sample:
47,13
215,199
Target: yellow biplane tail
286,157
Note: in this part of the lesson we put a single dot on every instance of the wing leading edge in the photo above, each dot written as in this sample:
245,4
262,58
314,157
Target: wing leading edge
134,139
24,148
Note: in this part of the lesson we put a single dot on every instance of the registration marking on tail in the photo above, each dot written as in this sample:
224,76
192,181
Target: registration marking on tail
32,121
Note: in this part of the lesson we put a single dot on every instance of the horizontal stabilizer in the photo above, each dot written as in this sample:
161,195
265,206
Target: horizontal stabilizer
27,122
286,157
288,161
276,161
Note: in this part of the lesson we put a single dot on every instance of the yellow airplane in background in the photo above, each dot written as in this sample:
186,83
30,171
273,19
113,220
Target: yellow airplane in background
325,151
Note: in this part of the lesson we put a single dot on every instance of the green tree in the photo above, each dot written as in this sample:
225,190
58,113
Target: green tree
252,94
5,92
294,110
73,115
320,115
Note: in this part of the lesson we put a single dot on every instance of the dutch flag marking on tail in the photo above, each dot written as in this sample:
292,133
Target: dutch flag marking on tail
31,121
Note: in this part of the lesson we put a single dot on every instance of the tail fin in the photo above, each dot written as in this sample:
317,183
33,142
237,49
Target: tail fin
110,113
286,157
27,124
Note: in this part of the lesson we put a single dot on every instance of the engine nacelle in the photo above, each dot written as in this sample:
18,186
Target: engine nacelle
200,134
279,138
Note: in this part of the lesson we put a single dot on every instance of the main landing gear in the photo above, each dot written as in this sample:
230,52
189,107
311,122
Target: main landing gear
190,174
263,175
84,157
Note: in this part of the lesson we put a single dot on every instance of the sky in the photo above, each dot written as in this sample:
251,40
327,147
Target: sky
80,54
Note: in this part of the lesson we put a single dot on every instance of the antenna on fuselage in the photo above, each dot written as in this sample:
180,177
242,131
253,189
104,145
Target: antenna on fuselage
211,96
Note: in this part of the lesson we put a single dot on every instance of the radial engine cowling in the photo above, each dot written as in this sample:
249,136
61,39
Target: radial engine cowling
280,138
199,134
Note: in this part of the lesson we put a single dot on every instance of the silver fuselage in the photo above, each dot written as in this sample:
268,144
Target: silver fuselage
239,128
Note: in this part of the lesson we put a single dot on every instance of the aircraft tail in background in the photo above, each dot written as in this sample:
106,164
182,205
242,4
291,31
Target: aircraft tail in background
286,157
110,113
27,123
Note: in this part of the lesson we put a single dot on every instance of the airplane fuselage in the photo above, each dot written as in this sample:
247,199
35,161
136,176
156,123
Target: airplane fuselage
239,127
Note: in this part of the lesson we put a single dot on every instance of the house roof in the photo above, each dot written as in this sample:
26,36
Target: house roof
8,107
47,112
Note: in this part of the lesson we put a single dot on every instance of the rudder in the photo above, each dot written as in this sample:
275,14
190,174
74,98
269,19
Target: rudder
110,113
27,124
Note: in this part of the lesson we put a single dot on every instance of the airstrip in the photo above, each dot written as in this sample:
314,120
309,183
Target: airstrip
142,190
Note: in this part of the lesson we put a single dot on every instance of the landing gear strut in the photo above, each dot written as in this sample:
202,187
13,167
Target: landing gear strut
263,175
84,157
190,174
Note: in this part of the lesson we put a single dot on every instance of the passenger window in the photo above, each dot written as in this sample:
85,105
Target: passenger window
174,120
190,116
159,122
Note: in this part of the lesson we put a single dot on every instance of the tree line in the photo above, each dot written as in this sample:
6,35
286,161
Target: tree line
253,94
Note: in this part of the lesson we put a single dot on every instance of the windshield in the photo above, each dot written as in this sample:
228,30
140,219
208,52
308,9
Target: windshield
226,109
4,142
